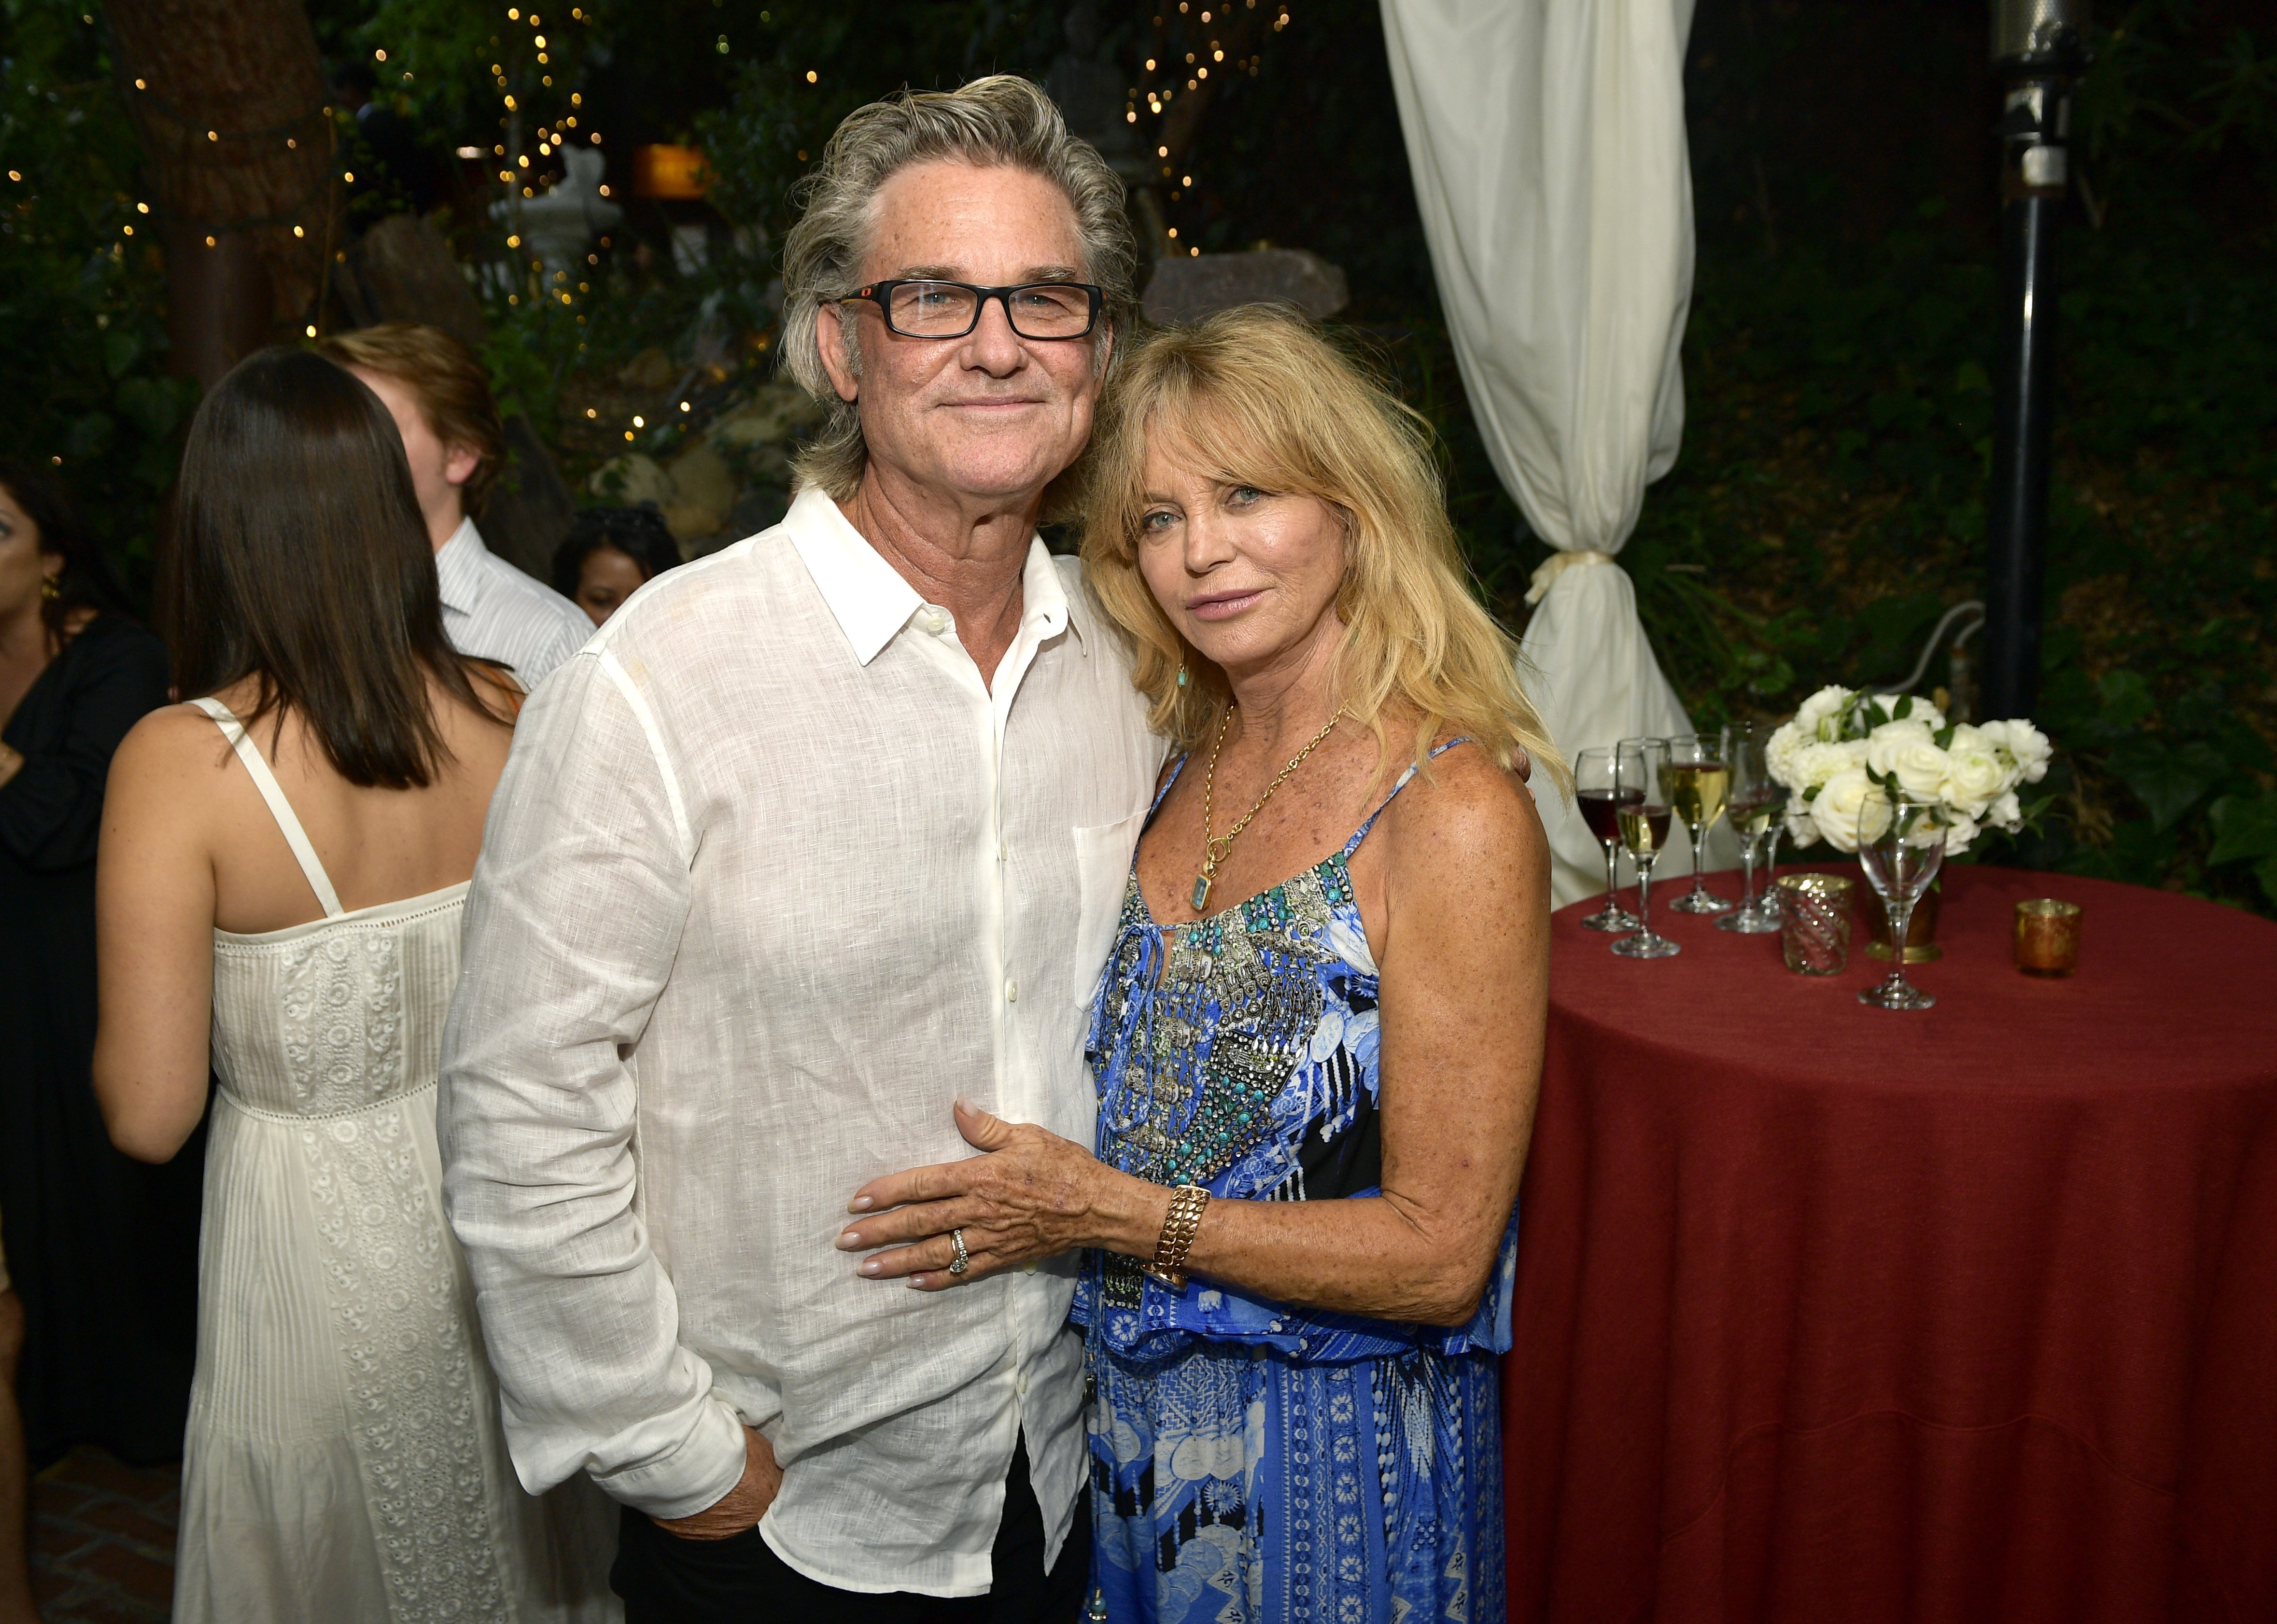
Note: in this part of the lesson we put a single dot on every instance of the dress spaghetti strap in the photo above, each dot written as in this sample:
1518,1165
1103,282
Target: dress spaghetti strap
1352,845
281,809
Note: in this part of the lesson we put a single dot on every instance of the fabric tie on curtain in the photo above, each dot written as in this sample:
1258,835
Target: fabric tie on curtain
1546,142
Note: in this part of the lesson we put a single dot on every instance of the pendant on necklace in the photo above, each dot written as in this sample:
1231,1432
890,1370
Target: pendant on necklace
1201,890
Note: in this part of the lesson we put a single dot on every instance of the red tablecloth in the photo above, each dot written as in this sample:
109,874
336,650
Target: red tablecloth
1833,1315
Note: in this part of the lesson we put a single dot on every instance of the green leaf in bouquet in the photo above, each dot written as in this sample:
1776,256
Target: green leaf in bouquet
1905,708
1943,737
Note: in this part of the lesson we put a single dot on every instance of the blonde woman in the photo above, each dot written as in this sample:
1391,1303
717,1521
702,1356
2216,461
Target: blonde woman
1318,1036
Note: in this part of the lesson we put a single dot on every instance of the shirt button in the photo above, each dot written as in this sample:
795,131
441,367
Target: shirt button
1024,1383
936,622
1011,992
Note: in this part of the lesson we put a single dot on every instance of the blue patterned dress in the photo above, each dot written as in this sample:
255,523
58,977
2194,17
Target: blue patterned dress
1254,1463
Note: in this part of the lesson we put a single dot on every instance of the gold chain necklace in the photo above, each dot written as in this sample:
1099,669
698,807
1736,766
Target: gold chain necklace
1216,848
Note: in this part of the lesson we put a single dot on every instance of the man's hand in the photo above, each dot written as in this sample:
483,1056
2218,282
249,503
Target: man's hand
742,1505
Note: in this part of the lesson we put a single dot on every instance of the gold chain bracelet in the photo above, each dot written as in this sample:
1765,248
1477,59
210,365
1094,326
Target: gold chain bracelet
1179,1226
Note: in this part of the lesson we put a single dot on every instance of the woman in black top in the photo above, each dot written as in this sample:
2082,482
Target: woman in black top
100,1249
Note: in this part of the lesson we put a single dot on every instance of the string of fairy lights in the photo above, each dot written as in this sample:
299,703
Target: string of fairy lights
1210,52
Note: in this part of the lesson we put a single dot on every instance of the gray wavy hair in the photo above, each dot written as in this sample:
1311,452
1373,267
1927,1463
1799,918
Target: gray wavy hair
1002,120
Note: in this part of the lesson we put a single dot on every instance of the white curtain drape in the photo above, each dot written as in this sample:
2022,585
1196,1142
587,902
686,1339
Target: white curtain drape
1546,142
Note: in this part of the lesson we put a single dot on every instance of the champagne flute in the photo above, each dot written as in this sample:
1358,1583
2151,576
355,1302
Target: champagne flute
1700,773
1901,846
1604,781
1757,806
1644,832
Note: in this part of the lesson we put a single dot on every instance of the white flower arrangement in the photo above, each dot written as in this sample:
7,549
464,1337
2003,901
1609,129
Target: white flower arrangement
1843,741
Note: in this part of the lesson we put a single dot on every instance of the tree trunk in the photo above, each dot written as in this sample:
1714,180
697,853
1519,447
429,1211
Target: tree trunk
228,98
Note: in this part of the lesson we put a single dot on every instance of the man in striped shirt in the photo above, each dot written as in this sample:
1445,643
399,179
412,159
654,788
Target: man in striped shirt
436,391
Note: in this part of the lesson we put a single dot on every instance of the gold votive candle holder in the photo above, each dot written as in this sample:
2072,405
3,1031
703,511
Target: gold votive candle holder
1815,922
2047,937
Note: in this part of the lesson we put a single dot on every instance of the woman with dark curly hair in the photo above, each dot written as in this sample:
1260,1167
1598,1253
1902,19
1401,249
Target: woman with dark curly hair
92,1239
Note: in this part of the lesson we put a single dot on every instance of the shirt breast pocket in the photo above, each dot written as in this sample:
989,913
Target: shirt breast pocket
1102,866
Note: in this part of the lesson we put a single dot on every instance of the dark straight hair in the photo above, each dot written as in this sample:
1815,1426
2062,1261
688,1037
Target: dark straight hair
86,582
300,560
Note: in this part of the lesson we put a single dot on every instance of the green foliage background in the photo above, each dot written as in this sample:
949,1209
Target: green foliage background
82,330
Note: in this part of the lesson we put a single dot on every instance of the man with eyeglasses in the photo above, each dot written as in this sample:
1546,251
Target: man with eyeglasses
817,836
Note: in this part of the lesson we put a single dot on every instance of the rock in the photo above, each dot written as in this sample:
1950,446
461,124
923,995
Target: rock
702,491
631,480
1185,290
694,494
774,413
651,368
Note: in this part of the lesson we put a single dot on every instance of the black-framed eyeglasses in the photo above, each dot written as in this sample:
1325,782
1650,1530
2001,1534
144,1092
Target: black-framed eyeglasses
921,308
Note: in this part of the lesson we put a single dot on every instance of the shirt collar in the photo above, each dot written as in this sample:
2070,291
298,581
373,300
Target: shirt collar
458,572
867,595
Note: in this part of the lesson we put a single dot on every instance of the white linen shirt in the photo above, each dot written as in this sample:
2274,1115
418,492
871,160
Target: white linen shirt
771,879
493,611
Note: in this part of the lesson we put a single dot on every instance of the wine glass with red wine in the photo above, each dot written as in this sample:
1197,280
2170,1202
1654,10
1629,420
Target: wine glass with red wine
1600,792
1644,833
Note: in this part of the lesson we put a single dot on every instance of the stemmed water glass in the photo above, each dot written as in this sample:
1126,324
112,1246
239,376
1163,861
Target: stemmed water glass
1756,810
1643,824
1604,781
1901,846
1701,773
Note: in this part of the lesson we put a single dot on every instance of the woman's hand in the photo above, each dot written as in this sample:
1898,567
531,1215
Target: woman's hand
1033,1195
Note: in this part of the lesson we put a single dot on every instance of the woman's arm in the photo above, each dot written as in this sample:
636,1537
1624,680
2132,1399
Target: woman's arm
154,916
1464,979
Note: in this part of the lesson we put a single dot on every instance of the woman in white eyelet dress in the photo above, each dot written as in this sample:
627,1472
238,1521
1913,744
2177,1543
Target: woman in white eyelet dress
344,1461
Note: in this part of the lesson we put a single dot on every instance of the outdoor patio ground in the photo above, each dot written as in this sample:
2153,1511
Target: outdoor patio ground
103,1540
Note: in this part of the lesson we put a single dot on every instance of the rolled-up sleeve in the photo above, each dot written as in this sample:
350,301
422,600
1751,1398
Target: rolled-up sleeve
576,913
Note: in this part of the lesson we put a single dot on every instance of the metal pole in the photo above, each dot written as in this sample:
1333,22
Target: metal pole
2035,48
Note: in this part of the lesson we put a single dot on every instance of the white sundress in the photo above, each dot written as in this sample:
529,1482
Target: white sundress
344,1461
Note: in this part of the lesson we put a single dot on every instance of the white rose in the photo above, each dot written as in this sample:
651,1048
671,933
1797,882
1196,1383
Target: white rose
1842,802
1815,764
2003,814
1905,751
1801,828
1884,743
1827,705
1958,835
2026,745
1976,777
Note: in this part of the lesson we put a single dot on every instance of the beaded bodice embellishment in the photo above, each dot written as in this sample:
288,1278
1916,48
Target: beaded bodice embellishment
1216,1016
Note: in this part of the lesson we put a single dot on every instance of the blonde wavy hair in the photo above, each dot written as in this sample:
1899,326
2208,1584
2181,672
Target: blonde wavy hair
1268,401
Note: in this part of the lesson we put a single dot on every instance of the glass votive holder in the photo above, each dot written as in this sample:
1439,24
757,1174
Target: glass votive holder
1815,922
2047,937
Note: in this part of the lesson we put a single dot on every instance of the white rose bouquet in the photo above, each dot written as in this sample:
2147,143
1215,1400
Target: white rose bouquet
1843,741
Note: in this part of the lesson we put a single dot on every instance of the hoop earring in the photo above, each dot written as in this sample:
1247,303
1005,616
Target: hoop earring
51,591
